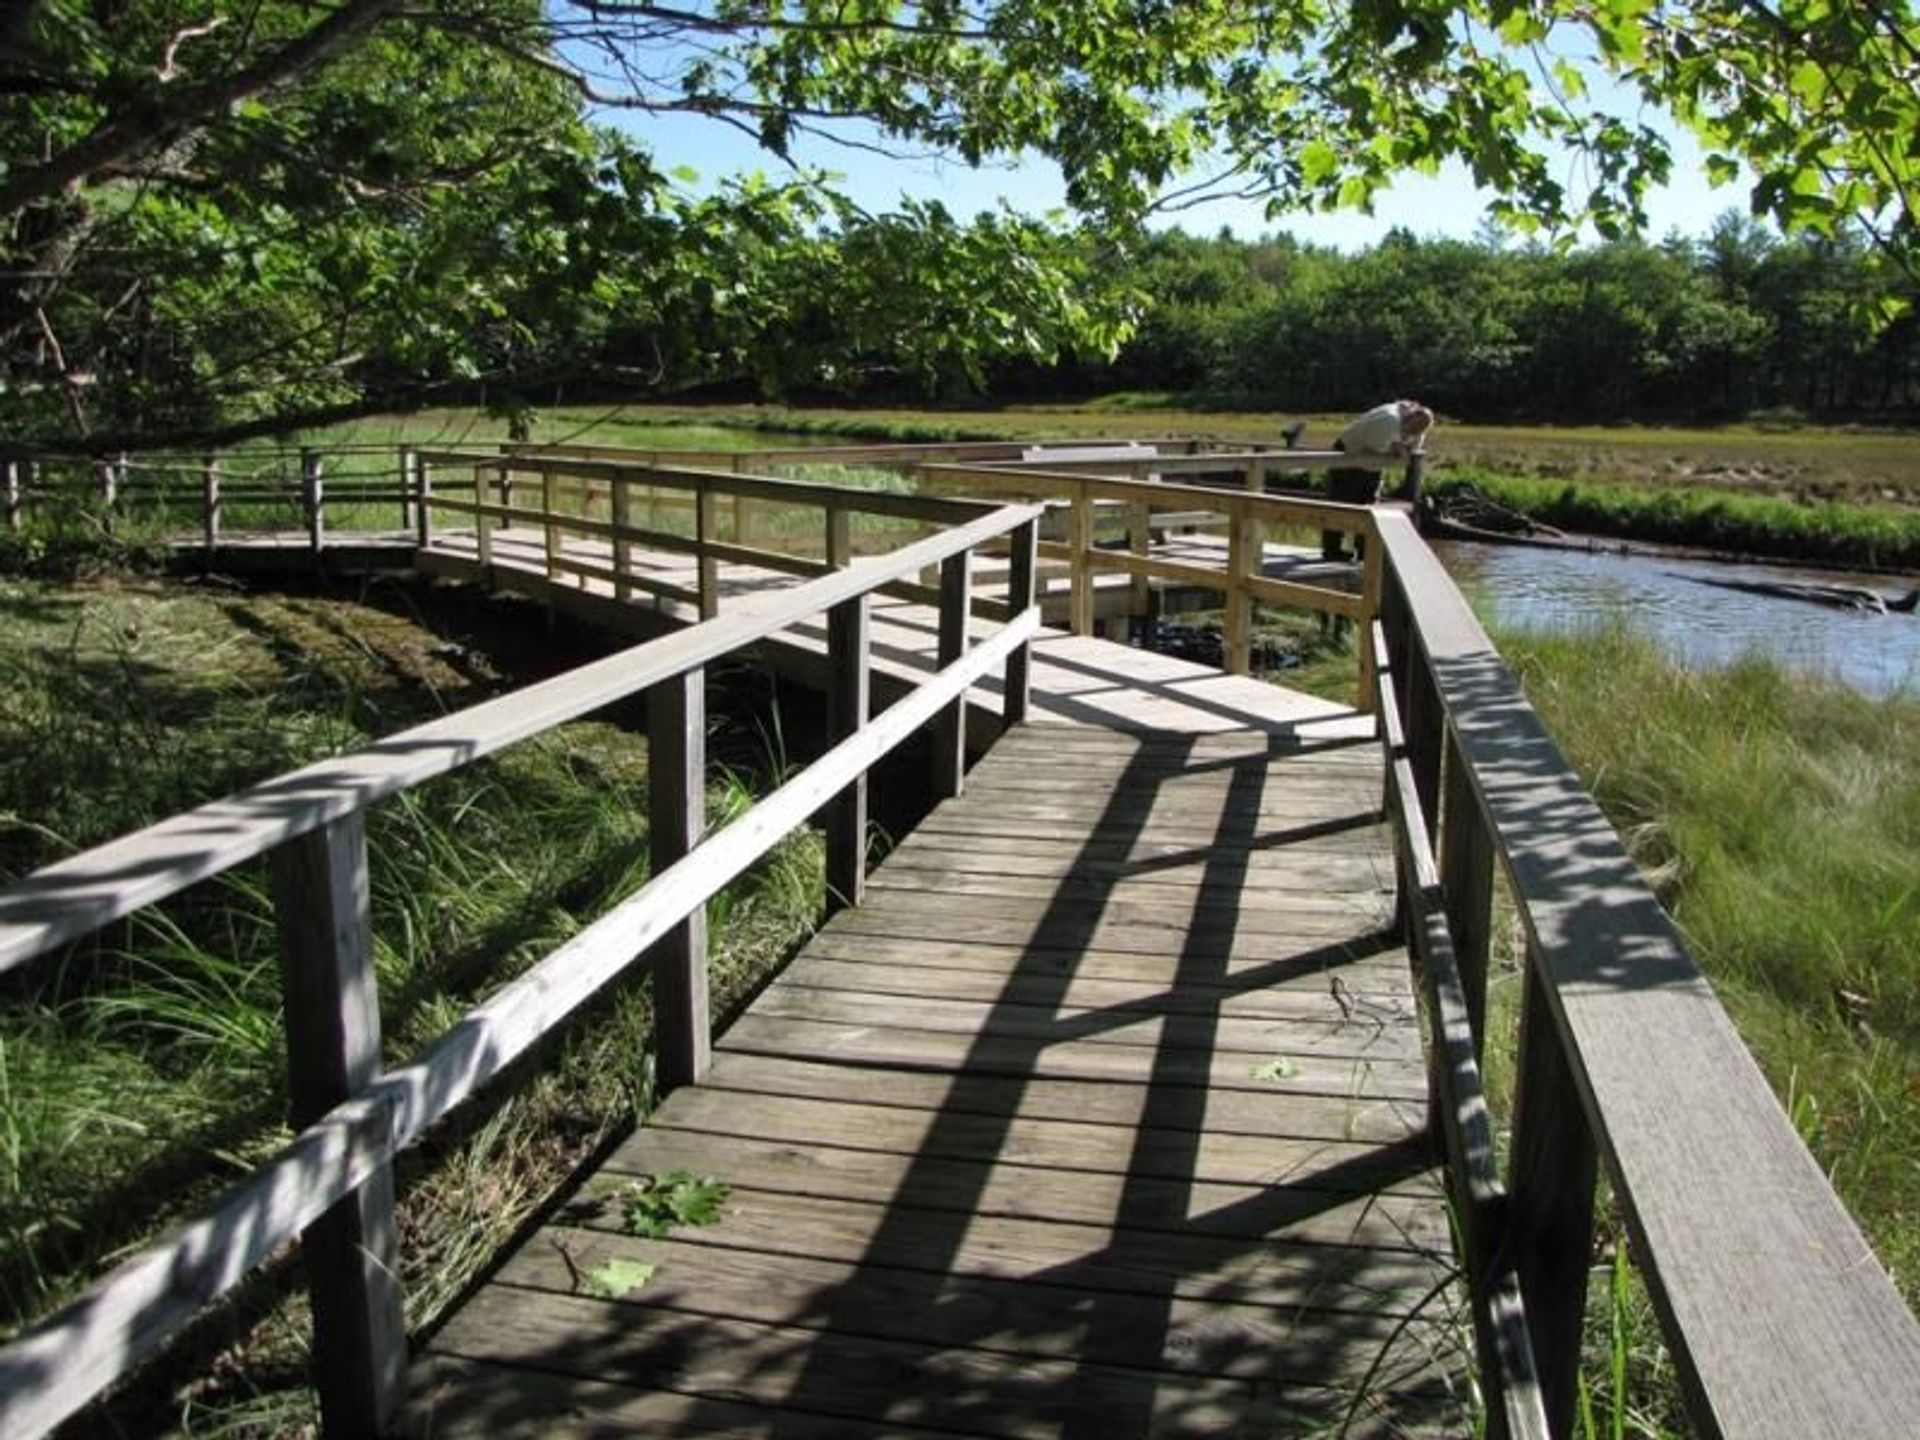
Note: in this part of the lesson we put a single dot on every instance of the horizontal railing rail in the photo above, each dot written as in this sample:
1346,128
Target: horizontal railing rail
1779,1319
332,1187
1091,498
251,491
567,488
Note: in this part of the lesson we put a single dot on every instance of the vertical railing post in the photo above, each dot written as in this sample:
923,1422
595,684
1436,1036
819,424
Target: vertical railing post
11,485
1080,544
1240,551
839,537
704,538
676,813
313,499
104,491
950,725
848,700
1466,882
1425,727
333,1053
1372,582
1139,542
1017,687
1551,1172
423,497
482,531
405,458
503,487
548,498
1414,482
210,500
620,504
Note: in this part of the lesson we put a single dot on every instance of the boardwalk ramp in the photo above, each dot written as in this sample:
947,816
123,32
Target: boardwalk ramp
1101,1116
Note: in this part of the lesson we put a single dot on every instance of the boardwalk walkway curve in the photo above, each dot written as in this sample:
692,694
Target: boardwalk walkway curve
1103,1103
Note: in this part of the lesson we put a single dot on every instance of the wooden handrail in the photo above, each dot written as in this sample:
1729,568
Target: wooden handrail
1239,581
1779,1318
329,1185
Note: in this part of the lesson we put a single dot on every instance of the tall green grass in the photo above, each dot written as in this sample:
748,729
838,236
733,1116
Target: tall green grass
1778,820
1875,536
142,1071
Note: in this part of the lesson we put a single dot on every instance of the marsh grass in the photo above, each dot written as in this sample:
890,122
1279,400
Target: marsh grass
142,1071
1876,536
1778,820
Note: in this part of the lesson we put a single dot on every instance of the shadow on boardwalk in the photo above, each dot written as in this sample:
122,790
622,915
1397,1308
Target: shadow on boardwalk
1102,1117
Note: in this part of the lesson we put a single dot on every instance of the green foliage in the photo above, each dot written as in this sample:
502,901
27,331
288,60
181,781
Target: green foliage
1732,323
225,220
654,1206
616,1279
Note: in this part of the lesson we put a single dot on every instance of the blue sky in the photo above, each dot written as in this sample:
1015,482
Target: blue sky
1446,204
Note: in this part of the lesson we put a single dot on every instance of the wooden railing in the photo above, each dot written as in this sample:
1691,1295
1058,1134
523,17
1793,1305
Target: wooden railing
555,495
332,1187
1779,1319
1092,499
286,491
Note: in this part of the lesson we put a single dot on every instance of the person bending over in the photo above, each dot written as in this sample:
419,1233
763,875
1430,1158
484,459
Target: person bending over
1391,431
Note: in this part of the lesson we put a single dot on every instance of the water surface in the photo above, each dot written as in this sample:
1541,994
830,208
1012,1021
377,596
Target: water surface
1520,585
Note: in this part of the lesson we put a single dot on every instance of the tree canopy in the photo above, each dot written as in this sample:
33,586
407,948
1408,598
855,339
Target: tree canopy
219,218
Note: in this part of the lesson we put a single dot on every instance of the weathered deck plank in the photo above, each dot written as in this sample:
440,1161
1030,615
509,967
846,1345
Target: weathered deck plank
1110,1124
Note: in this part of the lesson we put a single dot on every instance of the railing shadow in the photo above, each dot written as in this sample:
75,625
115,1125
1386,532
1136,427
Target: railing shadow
1113,1340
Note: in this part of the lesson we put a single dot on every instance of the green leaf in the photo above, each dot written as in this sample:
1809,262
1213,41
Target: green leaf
617,1279
656,1205
1318,160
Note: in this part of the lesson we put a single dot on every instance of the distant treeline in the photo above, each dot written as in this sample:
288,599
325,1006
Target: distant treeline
1735,323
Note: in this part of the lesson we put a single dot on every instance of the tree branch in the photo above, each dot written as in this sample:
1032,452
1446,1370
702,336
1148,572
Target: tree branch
119,140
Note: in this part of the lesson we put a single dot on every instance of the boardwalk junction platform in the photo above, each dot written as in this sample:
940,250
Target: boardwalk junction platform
1135,1092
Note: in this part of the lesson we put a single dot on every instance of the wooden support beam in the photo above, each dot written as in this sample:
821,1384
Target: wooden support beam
1551,1173
839,537
676,815
1466,879
1139,542
423,497
404,457
1080,543
1240,552
848,701
105,492
552,544
210,500
705,536
1372,582
482,529
313,499
1017,687
1425,729
950,728
333,1052
622,517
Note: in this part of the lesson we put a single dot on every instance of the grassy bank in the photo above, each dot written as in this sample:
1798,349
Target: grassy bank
140,1073
1779,821
1877,536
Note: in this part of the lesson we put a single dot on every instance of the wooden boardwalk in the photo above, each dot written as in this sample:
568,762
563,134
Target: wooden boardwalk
1077,680
1101,1116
